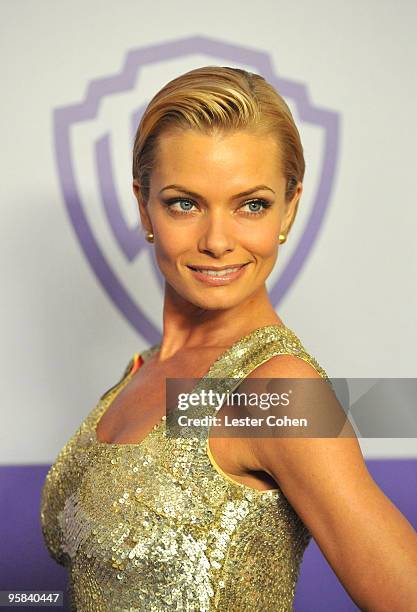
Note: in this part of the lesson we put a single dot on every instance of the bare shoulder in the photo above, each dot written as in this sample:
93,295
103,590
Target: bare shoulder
313,472
290,366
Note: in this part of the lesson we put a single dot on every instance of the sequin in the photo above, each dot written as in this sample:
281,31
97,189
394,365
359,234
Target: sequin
157,526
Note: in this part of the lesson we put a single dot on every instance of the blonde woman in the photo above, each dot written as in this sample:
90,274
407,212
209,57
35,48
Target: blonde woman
145,521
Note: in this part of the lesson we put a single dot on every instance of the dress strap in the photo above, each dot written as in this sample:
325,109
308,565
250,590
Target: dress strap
251,351
137,362
134,364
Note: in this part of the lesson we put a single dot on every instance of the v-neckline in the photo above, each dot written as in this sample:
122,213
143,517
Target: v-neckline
216,363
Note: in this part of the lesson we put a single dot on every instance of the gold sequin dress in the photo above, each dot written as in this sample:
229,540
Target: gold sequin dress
159,526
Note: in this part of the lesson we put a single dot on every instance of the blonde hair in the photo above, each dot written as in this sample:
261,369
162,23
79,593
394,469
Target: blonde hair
218,98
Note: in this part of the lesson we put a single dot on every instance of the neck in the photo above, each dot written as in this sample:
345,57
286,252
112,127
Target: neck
187,326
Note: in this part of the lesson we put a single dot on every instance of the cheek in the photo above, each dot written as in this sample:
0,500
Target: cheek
262,241
170,240
171,247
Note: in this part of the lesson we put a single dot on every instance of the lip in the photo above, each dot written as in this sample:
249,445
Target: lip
215,281
218,268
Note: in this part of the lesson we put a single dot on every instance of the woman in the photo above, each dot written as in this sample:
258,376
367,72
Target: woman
146,521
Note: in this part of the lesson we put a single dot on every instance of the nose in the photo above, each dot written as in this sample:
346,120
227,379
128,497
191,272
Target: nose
217,237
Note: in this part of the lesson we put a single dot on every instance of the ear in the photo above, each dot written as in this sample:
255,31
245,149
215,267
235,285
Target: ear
142,205
290,211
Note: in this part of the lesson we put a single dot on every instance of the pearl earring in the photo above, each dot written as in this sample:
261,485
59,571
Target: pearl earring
282,238
150,237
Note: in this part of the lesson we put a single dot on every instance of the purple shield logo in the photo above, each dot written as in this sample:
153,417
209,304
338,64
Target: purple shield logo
136,75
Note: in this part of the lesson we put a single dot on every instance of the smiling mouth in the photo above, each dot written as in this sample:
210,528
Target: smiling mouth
223,271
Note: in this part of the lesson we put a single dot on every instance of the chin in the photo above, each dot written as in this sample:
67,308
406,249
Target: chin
214,302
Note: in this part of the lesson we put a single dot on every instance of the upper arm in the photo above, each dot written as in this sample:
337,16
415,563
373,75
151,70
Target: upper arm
299,463
370,545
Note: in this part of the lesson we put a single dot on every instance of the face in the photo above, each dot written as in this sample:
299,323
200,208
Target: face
217,201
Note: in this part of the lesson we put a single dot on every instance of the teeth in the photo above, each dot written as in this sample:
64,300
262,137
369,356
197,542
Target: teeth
218,273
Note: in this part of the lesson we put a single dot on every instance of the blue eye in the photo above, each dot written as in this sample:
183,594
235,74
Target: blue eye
187,204
258,202
183,211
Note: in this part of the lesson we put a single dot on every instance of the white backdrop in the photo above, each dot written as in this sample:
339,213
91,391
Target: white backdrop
64,341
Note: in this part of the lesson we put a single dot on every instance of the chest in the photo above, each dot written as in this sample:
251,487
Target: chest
142,402
140,406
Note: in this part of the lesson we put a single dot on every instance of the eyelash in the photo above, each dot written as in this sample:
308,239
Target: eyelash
264,203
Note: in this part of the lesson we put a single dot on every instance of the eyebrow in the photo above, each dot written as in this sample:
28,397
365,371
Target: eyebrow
238,195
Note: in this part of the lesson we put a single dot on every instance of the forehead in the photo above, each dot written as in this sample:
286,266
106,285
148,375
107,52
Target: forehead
237,155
